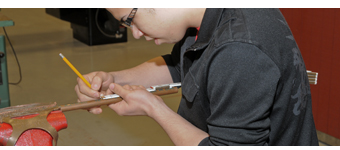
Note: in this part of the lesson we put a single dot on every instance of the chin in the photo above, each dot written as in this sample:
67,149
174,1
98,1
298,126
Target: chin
171,41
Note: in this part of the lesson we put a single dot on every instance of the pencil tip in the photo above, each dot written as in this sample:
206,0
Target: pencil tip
61,55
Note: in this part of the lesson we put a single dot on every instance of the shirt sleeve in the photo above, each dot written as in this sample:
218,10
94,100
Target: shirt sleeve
173,62
241,88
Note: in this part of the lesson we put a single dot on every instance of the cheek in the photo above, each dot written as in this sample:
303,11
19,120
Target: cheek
176,35
170,32
160,30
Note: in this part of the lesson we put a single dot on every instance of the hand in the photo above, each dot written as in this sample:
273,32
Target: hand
136,100
99,81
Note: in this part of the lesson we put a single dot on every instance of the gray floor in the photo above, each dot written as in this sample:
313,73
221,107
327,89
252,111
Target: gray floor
38,38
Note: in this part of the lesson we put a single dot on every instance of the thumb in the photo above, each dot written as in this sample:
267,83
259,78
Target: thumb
118,89
96,83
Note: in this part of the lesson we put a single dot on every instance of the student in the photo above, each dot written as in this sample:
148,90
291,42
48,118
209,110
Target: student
243,78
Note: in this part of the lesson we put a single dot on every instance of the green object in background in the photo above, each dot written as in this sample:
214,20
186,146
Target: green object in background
5,21
4,89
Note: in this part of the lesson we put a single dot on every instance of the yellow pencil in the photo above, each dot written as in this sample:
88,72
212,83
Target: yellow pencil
75,70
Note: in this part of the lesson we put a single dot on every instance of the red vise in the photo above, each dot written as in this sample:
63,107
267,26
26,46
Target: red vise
34,137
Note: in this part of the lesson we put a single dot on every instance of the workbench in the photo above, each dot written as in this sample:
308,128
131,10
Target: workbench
4,88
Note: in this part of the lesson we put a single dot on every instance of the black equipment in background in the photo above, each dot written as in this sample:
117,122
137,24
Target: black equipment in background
92,26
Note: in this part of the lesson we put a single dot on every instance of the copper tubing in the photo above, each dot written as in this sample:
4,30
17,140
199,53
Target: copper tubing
100,102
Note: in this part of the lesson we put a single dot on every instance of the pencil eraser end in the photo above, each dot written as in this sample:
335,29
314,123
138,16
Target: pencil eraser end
61,55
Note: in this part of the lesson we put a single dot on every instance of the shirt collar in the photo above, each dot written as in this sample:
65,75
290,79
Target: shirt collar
209,24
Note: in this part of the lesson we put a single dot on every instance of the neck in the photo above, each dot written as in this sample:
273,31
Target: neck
196,16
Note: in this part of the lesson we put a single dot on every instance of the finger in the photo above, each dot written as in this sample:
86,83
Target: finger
94,110
102,94
134,87
141,86
108,92
118,89
102,80
99,79
128,87
84,89
137,87
119,108
96,83
81,96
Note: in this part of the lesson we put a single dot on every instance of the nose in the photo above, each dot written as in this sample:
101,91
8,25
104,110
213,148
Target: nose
136,32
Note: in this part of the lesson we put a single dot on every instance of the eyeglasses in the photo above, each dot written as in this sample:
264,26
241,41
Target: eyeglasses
128,21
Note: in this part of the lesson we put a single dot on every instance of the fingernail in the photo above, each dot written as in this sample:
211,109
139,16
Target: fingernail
96,111
112,86
94,86
96,94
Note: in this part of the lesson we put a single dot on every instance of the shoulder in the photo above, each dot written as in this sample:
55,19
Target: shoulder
235,56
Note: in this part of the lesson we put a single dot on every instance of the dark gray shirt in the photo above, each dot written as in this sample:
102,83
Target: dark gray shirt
244,81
